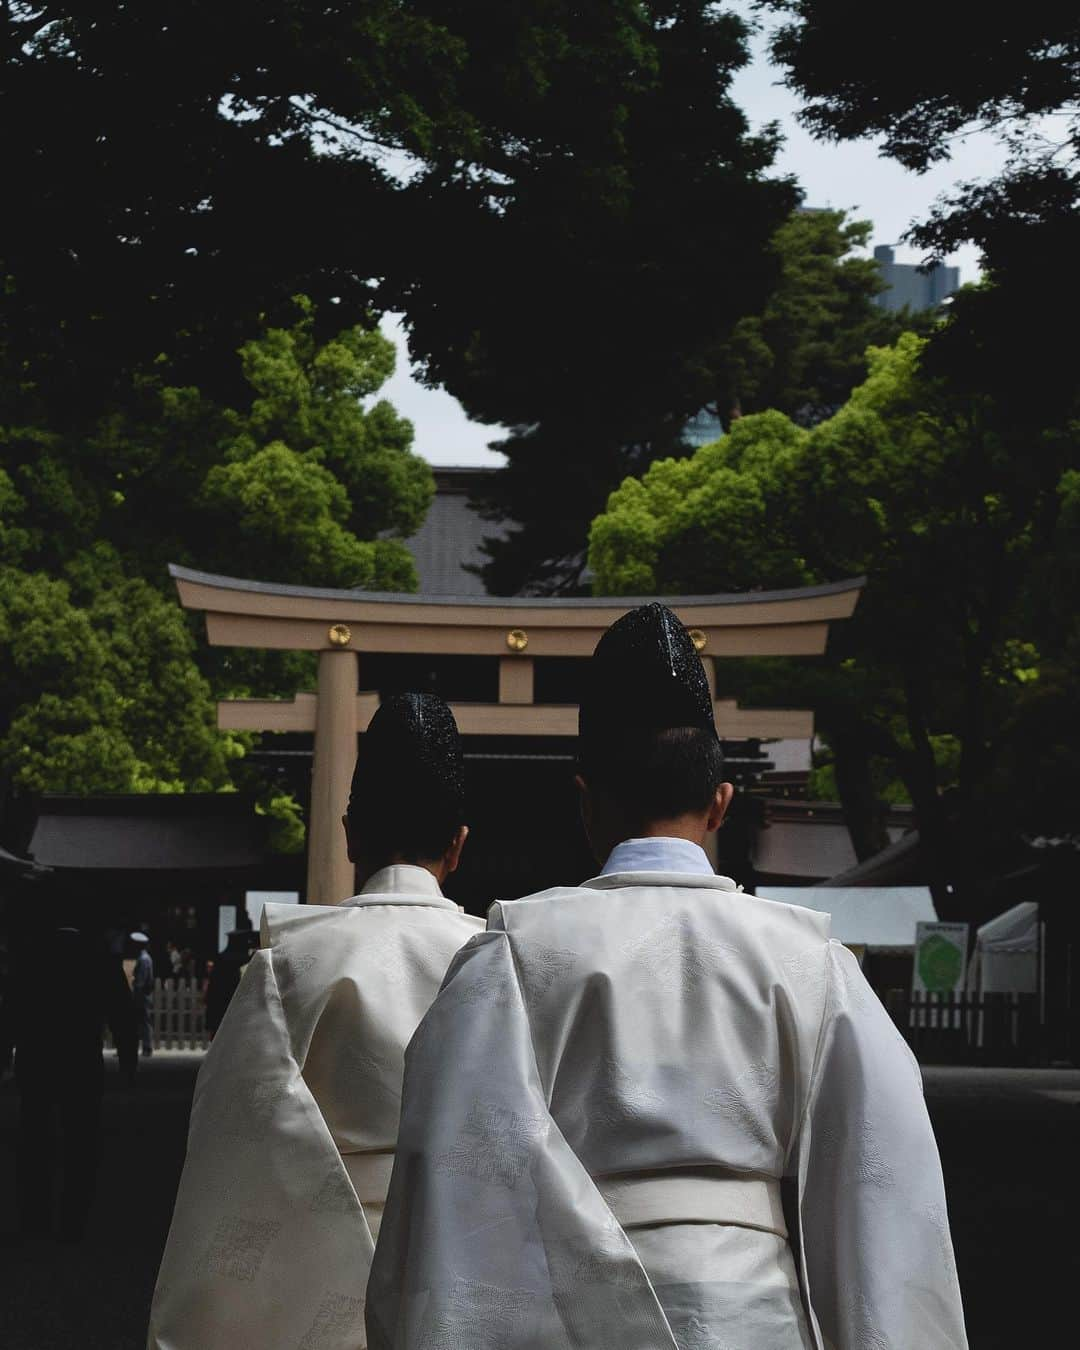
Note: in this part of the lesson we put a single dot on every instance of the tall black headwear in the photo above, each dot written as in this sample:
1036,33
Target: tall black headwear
410,764
644,677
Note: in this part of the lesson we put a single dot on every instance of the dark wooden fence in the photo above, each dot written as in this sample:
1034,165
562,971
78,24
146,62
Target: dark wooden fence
967,1028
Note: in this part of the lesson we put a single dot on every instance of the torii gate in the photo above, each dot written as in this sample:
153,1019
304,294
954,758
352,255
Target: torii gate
340,624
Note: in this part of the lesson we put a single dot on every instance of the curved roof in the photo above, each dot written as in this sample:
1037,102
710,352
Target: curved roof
242,613
196,831
850,586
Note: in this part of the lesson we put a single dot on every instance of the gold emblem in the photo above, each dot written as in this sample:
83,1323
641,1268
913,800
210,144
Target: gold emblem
340,635
698,638
517,639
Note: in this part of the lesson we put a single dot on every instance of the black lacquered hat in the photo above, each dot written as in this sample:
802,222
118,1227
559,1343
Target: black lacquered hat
644,677
411,752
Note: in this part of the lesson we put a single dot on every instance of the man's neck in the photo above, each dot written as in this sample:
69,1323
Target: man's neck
437,869
691,828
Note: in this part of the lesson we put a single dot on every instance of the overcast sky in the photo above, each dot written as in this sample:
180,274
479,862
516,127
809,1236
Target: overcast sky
851,177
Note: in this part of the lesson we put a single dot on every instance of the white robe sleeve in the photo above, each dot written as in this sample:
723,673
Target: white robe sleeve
877,1254
494,1235
269,1248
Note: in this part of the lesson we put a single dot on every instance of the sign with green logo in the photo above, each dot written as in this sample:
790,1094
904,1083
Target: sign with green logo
940,957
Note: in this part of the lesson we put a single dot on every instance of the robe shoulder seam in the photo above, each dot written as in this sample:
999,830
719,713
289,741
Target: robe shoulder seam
795,1143
515,967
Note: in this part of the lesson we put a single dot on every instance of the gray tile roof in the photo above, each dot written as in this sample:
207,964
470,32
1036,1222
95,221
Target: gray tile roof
451,535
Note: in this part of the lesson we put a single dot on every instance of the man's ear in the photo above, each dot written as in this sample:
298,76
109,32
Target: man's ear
719,806
452,856
350,843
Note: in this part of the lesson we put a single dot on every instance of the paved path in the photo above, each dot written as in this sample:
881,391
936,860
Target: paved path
1009,1146
95,1296
1008,1138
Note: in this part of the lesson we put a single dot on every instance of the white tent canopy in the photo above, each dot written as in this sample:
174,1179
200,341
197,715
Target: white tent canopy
880,918
1006,955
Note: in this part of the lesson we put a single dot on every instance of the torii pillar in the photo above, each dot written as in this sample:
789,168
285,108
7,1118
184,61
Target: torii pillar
338,624
331,876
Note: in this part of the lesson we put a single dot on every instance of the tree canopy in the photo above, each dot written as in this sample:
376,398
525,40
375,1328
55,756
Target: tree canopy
563,200
101,689
308,478
1019,80
183,169
801,352
806,350
1019,77
955,527
494,171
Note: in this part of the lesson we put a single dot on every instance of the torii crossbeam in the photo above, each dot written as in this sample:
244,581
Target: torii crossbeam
340,625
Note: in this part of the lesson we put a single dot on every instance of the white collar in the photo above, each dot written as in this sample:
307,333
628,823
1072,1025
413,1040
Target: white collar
659,861
613,881
658,853
401,883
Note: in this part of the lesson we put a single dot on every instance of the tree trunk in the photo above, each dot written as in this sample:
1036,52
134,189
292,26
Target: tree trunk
920,775
864,812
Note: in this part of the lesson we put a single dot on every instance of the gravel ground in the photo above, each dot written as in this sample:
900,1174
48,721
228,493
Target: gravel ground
1008,1140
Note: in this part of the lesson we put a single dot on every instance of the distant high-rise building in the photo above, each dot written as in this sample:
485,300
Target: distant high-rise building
909,287
703,428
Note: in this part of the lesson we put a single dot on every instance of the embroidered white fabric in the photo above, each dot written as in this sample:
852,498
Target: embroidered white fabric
643,1024
270,1245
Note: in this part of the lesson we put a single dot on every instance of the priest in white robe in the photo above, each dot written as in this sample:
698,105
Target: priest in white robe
295,1116
651,1111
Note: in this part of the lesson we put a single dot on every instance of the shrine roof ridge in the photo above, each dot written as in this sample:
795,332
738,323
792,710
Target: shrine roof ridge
524,602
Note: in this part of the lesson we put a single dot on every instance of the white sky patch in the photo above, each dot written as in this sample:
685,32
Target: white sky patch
852,175
444,435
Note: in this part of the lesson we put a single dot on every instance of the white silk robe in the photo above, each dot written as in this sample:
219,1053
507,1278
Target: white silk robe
294,1122
653,1112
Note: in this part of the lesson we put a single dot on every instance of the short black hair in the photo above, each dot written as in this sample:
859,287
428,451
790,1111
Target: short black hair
658,775
407,798
384,826
424,837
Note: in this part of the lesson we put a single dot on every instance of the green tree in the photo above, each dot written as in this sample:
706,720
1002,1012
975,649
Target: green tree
103,696
562,199
1036,770
302,480
924,493
544,188
806,350
311,485
1019,81
305,480
1020,78
801,354
179,172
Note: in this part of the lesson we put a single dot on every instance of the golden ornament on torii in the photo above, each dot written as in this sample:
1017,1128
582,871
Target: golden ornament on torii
340,625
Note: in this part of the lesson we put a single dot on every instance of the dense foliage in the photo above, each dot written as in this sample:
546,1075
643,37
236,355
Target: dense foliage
960,530
1001,351
801,352
1019,77
806,350
1019,81
562,199
304,480
588,247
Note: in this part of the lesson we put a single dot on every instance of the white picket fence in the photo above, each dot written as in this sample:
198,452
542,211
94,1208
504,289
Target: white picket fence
178,1015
